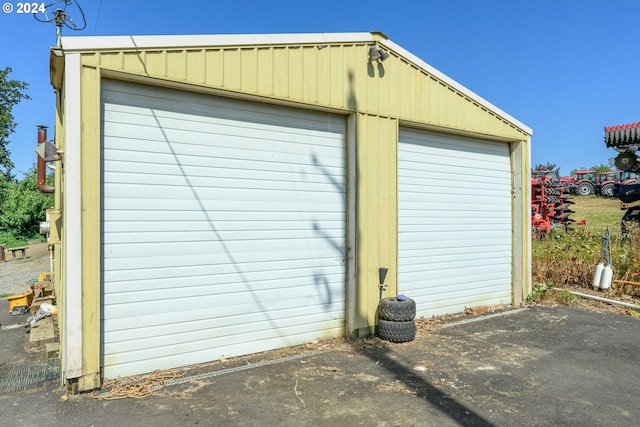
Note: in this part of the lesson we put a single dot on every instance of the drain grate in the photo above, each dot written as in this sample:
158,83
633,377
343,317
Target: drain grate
27,376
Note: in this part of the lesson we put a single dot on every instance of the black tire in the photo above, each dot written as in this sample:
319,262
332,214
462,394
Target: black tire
396,331
608,190
397,311
585,189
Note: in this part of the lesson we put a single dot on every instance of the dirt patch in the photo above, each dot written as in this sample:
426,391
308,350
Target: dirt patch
15,274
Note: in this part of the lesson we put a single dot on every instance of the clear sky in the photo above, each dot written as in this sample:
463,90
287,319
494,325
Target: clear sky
565,68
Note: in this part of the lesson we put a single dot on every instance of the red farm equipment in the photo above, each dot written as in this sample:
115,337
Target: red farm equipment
609,182
585,182
625,139
550,203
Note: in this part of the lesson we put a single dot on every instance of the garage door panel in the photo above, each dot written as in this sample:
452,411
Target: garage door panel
320,192
454,221
230,211
189,154
181,225
292,251
297,301
137,348
152,323
196,287
215,206
206,268
270,338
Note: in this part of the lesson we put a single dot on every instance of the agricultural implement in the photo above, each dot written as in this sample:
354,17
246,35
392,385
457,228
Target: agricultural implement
550,203
625,139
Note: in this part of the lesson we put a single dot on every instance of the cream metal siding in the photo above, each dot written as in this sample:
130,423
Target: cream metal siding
454,221
224,227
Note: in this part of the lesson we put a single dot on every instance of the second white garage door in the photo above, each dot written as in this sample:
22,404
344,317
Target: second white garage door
454,222
224,225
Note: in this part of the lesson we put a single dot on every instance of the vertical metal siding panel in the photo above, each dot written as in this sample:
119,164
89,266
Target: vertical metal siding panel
249,70
135,62
358,86
265,71
310,74
352,67
337,72
214,66
90,196
323,75
407,85
364,213
296,76
156,63
232,71
113,60
384,88
281,72
431,100
176,65
377,232
395,87
387,198
195,66
373,91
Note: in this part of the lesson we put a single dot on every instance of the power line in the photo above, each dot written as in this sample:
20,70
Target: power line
62,18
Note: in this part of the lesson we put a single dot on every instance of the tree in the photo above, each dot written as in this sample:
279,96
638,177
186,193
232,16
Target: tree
11,93
22,206
601,168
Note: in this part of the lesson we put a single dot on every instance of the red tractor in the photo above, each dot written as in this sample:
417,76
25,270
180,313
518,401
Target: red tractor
609,182
586,182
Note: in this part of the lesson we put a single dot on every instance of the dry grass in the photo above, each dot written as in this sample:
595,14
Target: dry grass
568,258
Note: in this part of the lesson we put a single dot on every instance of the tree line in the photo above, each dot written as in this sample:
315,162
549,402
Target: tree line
22,205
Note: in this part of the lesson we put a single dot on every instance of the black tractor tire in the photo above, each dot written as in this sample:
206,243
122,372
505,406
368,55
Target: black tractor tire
608,190
585,189
397,311
396,331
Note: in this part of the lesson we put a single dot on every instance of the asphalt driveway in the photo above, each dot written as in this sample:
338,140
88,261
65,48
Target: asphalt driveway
540,366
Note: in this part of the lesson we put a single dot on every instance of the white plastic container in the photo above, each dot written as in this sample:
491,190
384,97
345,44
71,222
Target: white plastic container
597,276
607,276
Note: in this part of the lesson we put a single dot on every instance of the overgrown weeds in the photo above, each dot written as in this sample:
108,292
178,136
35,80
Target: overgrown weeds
569,258
547,293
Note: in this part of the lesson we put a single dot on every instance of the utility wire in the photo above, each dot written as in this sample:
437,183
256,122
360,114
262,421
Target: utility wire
61,17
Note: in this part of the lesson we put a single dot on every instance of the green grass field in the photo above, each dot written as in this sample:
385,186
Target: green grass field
599,213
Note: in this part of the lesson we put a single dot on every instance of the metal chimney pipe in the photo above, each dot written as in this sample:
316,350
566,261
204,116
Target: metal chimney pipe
42,173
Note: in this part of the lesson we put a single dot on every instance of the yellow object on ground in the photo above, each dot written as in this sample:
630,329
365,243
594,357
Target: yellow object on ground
20,300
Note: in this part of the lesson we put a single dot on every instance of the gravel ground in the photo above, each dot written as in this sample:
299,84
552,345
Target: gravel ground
14,274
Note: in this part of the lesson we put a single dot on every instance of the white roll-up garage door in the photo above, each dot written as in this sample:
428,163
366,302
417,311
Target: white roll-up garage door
454,222
224,225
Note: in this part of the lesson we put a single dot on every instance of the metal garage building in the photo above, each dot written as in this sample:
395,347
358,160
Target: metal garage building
230,194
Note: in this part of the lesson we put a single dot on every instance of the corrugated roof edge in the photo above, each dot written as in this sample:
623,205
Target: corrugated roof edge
80,43
90,43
